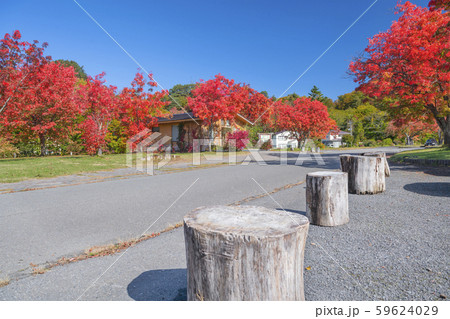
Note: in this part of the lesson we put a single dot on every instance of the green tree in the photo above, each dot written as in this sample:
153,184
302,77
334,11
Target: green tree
358,132
265,94
179,93
351,100
348,140
81,74
316,94
374,121
290,98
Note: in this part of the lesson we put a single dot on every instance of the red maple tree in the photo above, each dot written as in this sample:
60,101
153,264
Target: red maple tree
409,65
220,99
439,4
139,107
304,118
258,108
217,99
19,61
46,108
100,108
239,138
411,129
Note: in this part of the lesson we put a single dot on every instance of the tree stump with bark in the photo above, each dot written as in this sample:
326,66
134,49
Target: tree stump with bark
387,169
327,198
244,253
366,174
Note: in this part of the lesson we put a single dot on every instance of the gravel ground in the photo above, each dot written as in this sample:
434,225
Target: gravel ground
395,247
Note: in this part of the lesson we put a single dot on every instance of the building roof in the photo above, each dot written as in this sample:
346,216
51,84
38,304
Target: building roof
189,116
336,132
244,119
178,117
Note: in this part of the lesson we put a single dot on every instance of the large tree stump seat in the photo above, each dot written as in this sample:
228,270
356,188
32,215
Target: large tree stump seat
327,198
387,169
366,174
244,253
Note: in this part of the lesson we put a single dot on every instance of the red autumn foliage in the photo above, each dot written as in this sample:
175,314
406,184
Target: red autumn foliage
304,118
100,108
409,65
411,129
218,99
240,139
439,4
258,108
46,108
139,107
19,60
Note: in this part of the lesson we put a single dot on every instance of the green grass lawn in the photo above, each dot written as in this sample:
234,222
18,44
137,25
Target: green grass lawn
438,153
19,169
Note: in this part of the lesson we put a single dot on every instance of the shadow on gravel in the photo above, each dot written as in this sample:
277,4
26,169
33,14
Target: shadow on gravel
159,285
430,189
293,211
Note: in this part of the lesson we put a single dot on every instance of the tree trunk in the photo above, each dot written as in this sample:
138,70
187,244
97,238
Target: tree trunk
327,198
366,174
211,128
408,140
444,124
244,253
446,132
42,141
439,136
387,169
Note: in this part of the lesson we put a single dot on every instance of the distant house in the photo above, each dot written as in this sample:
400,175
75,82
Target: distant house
264,137
334,138
283,140
183,128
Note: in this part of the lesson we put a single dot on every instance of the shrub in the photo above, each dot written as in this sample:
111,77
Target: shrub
73,147
320,145
348,140
267,145
241,138
371,143
387,142
7,149
32,148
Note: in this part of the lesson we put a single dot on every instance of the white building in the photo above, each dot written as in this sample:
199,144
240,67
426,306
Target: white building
283,140
334,138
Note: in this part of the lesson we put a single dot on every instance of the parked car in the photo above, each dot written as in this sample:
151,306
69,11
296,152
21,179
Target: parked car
431,142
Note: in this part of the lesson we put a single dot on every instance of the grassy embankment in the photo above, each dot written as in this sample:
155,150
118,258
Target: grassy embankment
18,169
437,153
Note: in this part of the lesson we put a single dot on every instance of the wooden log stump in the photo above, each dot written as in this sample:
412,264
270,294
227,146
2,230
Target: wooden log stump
327,198
366,174
244,253
387,169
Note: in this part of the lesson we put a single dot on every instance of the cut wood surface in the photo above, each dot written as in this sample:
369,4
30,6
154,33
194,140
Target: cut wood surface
387,169
366,174
244,253
327,198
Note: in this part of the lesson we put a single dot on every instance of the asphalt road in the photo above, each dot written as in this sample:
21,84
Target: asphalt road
393,248
43,225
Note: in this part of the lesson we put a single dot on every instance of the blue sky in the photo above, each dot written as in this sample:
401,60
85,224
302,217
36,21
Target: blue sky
266,44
